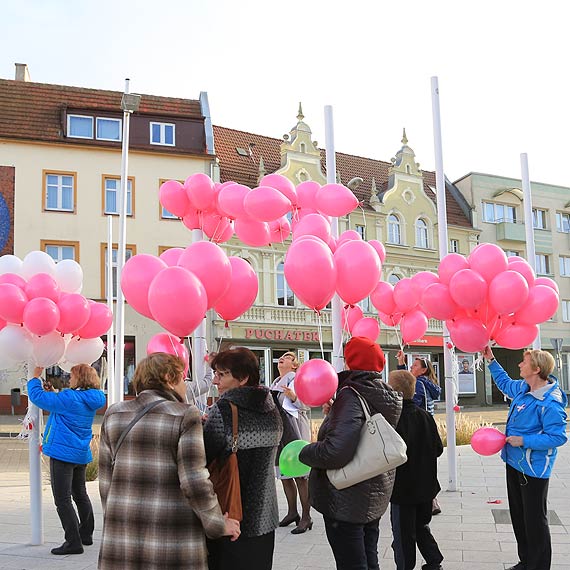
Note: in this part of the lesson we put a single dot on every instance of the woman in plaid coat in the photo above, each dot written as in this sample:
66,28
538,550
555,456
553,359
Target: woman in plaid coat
158,501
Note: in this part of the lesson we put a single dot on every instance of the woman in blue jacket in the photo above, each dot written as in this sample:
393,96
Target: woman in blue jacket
536,426
67,438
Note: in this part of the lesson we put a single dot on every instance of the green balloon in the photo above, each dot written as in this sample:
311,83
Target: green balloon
289,463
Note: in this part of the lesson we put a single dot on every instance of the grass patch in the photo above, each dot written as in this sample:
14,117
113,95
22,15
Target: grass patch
92,470
464,429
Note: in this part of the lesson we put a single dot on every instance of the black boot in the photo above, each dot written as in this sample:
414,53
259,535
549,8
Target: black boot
66,548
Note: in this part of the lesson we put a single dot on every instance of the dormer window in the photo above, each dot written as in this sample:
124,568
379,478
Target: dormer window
162,134
100,128
108,129
79,126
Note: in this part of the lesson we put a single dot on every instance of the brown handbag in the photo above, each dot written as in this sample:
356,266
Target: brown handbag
225,476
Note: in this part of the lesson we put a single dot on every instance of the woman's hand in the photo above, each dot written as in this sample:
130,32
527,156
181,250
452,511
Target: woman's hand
232,528
326,407
38,371
515,440
401,357
289,393
488,353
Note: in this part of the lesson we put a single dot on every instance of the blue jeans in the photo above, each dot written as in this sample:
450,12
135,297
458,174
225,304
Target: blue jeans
67,481
354,546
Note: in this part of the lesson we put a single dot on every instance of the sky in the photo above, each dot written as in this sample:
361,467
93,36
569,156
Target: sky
502,68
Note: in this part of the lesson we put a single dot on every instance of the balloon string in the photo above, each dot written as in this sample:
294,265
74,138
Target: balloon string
363,218
397,331
320,333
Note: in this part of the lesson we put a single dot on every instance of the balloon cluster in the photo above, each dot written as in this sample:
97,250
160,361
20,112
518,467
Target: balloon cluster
257,216
487,297
43,315
177,288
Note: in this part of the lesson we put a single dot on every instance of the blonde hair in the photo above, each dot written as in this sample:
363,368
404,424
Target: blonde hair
296,363
86,376
404,382
543,360
158,371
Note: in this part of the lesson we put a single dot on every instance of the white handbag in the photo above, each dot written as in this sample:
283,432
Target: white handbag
379,450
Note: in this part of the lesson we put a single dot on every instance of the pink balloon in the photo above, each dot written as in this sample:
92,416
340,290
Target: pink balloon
172,196
488,260
468,289
335,200
423,280
241,293
547,282
100,320
200,191
192,219
169,344
383,297
13,279
315,382
392,319
450,265
211,265
279,230
348,235
311,272
525,270
136,277
406,295
306,194
517,336
514,258
283,185
380,249
358,270
231,200
74,311
367,327
508,292
251,232
350,315
542,304
171,256
314,225
177,300
413,326
468,335
265,204
217,228
42,285
436,301
41,316
12,303
488,441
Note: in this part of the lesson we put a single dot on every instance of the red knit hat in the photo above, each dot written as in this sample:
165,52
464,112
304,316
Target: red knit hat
361,353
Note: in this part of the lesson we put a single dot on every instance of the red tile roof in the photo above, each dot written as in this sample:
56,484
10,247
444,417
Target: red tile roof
245,169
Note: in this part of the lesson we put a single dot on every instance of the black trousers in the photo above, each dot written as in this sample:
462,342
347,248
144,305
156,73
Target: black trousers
527,505
354,546
246,553
67,481
410,526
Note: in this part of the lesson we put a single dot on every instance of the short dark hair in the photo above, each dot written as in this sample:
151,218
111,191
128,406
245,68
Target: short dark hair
241,362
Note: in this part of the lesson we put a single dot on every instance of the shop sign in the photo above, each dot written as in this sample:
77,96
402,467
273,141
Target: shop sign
428,341
279,334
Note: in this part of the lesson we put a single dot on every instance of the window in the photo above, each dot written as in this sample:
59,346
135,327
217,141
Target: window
422,237
564,266
79,127
365,305
59,250
361,231
542,264
539,219
285,295
394,229
563,222
108,129
59,191
496,213
393,279
512,253
112,195
566,311
453,246
162,133
130,251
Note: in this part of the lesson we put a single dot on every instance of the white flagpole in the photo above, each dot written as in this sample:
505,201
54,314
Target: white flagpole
443,251
337,357
35,459
111,388
529,226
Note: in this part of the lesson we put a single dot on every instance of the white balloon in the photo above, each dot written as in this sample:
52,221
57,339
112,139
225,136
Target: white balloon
48,349
65,365
84,350
10,264
16,343
37,262
69,276
6,362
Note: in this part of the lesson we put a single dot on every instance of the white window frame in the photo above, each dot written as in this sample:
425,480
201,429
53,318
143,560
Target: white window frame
361,230
166,215
129,195
114,120
496,219
163,133
453,246
393,278
394,227
422,233
128,254
73,116
540,257
535,218
511,253
288,295
564,266
59,252
560,218
59,187
565,303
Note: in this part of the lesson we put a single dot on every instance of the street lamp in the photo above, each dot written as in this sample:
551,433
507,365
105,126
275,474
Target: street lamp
129,104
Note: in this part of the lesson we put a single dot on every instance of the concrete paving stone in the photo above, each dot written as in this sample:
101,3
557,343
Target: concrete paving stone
468,544
485,556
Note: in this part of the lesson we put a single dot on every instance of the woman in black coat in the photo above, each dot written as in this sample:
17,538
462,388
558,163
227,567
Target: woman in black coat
352,515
